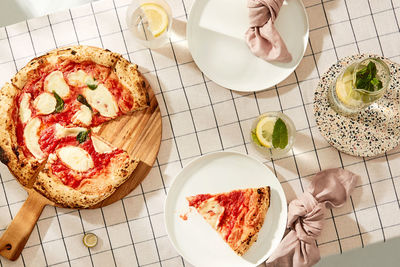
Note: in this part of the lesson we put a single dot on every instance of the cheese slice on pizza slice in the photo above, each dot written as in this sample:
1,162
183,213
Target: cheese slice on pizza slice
237,215
80,175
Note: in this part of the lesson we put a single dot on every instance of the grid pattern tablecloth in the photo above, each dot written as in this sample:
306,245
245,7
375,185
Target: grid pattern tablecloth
201,117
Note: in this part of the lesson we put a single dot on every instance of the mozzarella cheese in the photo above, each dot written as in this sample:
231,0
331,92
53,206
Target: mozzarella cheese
24,110
83,116
96,129
76,158
62,131
102,100
212,212
55,82
77,78
45,103
31,136
100,146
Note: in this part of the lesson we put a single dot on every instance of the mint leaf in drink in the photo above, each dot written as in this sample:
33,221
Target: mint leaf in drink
376,83
366,78
254,137
280,134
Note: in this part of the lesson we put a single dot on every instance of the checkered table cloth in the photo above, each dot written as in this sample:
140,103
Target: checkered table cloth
200,117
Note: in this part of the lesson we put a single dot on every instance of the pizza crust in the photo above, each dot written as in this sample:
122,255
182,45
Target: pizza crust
254,220
22,167
247,224
133,80
91,191
78,54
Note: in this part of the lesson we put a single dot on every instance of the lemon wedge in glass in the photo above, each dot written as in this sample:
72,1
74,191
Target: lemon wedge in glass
157,18
264,131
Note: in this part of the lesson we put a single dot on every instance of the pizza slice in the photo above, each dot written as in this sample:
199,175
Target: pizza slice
237,215
24,162
82,172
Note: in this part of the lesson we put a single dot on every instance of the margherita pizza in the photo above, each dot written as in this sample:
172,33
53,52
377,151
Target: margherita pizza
47,113
237,215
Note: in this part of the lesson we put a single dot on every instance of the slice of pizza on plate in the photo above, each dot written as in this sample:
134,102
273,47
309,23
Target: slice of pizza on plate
237,215
82,172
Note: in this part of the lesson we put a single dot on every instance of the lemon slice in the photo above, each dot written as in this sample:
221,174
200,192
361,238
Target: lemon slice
156,17
90,240
264,130
346,94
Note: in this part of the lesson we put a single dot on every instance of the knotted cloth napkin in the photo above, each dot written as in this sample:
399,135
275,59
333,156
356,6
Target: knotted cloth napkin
262,37
329,188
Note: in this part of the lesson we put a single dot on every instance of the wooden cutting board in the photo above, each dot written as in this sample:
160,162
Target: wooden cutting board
139,134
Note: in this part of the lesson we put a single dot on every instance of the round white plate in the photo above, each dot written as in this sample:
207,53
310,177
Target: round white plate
215,34
220,172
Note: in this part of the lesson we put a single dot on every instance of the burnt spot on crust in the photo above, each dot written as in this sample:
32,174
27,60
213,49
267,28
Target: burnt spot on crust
16,152
73,52
3,156
22,164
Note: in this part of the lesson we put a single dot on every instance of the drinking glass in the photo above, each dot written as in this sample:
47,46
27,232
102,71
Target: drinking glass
138,23
344,96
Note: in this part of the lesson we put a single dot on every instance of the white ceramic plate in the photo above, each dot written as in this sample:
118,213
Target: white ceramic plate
219,172
215,34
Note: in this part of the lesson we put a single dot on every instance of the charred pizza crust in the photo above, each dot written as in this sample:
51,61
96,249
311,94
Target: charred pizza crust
131,78
246,224
91,191
77,54
23,168
254,220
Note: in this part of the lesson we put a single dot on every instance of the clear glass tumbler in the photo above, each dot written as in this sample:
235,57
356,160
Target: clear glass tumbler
150,22
271,151
359,85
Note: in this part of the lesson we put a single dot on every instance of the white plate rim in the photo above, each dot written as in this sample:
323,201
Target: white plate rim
280,232
210,75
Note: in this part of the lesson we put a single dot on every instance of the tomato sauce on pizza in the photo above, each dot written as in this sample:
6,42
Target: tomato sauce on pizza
237,215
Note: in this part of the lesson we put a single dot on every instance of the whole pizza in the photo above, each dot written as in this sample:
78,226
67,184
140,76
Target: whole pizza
49,115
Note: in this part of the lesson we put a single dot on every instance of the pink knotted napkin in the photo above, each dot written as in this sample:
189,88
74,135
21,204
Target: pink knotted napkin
329,188
262,37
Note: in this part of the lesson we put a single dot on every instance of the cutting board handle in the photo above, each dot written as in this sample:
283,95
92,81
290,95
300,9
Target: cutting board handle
13,240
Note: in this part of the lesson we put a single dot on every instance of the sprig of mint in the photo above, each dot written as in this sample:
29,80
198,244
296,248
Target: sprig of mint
366,78
280,134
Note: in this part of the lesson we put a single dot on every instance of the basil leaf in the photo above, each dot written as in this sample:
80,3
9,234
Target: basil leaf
280,134
82,136
254,137
82,100
60,103
92,86
91,83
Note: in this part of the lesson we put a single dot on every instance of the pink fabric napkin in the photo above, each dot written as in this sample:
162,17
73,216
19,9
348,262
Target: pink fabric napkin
262,37
329,188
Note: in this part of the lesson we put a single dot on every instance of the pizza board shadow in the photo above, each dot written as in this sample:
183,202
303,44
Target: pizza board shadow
138,133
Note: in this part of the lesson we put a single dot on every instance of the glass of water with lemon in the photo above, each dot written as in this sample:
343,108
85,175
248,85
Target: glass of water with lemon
150,22
359,85
273,133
